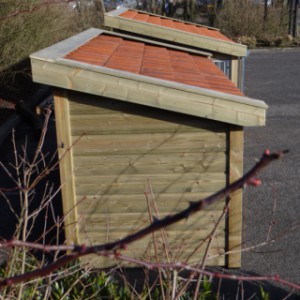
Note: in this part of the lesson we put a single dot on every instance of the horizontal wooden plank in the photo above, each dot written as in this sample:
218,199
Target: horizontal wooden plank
138,203
173,238
135,184
84,169
150,163
96,261
182,186
200,178
189,238
128,123
182,251
206,158
82,104
121,207
121,224
149,143
216,257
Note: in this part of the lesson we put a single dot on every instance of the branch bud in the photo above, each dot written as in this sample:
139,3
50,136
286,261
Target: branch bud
254,182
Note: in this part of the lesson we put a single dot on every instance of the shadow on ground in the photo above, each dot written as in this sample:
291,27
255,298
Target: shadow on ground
225,289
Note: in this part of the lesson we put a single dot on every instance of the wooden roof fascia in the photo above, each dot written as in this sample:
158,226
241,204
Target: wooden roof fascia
121,10
174,35
149,91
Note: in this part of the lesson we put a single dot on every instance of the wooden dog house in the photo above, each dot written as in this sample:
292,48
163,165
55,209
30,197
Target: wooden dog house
227,54
135,115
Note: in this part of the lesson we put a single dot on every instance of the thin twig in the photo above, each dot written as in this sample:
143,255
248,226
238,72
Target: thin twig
234,277
112,248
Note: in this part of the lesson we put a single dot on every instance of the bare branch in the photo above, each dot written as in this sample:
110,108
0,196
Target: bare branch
182,266
111,249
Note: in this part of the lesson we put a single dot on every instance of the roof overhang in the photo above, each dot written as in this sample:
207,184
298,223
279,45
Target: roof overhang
114,20
49,67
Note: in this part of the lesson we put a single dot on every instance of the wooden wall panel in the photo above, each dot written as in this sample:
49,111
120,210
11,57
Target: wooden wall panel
126,148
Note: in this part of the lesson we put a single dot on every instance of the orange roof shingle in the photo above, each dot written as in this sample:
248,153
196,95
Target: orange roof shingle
179,25
155,61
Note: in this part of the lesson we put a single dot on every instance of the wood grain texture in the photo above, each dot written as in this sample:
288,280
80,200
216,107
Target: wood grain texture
137,203
235,71
175,35
63,133
152,92
235,213
129,146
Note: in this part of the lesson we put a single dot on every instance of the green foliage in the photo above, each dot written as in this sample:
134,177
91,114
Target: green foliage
206,289
72,282
75,282
264,295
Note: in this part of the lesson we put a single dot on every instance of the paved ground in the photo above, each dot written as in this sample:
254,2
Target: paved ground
274,76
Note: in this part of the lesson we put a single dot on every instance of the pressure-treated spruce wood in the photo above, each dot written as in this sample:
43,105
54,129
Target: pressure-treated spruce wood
236,145
128,164
179,252
174,35
135,203
235,71
64,142
128,147
151,92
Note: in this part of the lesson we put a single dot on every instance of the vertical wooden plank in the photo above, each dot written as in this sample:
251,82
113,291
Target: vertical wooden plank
236,145
64,142
235,71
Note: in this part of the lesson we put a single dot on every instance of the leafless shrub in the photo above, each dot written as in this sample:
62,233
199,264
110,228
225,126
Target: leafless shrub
25,274
28,26
18,278
246,18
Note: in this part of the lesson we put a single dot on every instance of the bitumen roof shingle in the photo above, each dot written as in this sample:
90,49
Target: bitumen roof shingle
155,61
174,24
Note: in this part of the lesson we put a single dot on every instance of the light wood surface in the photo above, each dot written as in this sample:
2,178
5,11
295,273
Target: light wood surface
236,212
63,133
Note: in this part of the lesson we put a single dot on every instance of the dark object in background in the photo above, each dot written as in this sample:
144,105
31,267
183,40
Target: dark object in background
29,116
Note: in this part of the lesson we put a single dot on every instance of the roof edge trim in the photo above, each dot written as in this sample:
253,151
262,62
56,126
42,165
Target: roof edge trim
121,10
150,92
175,35
164,83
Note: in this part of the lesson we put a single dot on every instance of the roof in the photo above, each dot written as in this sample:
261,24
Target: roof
172,30
145,72
155,61
175,24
